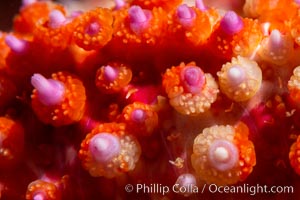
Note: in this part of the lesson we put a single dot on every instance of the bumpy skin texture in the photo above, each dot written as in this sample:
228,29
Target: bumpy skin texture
237,136
183,100
72,107
123,162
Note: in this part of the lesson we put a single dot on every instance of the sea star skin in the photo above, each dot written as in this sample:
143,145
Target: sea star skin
123,161
11,142
69,109
189,100
235,152
4,51
8,90
240,79
148,40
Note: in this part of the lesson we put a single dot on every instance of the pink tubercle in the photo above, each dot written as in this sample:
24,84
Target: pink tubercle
16,45
104,147
56,19
119,4
236,75
275,40
200,5
93,28
186,15
187,181
110,73
39,196
139,18
223,155
193,79
50,92
28,2
138,115
231,23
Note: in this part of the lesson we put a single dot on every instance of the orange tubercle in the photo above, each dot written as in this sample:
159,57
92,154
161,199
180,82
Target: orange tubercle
198,31
93,29
11,142
223,155
70,109
113,154
141,119
25,22
294,88
247,157
40,189
189,97
243,43
150,35
55,37
294,155
113,77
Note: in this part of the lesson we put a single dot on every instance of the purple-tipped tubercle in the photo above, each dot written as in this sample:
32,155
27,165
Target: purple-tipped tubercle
49,91
275,40
16,45
200,5
39,196
231,23
119,4
186,181
110,74
223,155
138,115
93,28
56,19
236,75
28,2
193,79
104,147
186,15
139,18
